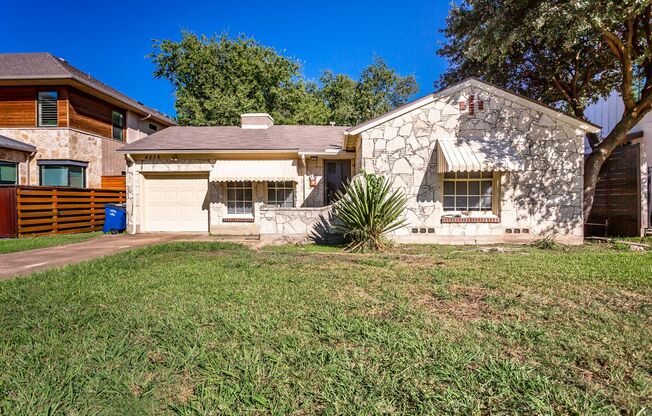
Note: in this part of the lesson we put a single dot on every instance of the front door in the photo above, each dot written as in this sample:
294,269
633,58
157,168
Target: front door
338,173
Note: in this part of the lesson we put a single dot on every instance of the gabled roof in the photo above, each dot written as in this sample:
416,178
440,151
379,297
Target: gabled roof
7,143
45,66
475,82
233,138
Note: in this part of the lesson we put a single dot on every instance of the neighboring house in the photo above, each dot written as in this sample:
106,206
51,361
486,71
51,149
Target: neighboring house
623,195
74,121
476,163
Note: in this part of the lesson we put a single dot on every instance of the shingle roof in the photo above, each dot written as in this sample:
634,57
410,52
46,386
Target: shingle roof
196,139
43,65
7,143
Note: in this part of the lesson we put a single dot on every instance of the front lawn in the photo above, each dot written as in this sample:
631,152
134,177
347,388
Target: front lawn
30,243
207,328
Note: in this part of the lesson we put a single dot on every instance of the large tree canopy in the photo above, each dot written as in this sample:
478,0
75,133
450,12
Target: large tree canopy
218,78
566,53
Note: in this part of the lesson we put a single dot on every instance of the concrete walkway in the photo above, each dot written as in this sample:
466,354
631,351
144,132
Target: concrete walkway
30,261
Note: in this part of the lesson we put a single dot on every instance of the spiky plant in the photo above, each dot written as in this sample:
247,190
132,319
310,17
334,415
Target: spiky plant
368,209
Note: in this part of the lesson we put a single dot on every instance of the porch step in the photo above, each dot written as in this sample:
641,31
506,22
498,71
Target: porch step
648,232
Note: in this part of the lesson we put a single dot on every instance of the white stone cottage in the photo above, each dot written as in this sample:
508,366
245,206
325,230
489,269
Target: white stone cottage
478,164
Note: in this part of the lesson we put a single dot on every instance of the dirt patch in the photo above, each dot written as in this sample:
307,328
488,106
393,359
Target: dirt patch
462,303
625,301
182,390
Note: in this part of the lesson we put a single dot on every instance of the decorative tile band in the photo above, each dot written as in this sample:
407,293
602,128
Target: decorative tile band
457,220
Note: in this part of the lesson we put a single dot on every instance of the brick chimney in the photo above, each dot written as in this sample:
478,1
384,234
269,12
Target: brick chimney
256,121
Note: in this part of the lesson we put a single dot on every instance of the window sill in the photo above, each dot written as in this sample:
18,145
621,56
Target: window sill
467,220
238,220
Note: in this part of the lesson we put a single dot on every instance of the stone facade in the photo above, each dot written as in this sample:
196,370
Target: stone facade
544,198
295,222
69,143
62,143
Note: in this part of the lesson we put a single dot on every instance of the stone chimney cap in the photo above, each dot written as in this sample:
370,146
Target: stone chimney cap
256,121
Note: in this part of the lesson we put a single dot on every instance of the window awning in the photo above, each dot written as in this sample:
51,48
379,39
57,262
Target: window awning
477,154
255,170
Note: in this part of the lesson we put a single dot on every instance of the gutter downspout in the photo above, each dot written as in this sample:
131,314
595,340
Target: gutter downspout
29,167
303,180
138,123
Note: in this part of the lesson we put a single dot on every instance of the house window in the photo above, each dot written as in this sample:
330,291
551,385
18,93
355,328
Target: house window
8,173
153,127
47,109
239,197
62,173
468,191
118,122
280,194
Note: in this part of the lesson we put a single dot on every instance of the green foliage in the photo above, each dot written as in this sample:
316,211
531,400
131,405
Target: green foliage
542,49
12,245
206,328
218,78
379,90
368,209
547,242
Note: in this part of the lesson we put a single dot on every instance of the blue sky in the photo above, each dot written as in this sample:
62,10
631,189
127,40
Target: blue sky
111,40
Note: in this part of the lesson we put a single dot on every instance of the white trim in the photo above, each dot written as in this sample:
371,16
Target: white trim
465,84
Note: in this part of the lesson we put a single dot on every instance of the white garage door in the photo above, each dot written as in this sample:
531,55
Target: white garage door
176,203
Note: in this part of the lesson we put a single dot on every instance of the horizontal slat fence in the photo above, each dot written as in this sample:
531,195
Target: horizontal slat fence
50,210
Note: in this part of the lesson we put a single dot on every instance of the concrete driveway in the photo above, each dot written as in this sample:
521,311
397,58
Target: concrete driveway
30,261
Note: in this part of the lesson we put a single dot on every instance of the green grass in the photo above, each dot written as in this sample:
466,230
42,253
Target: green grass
30,243
208,328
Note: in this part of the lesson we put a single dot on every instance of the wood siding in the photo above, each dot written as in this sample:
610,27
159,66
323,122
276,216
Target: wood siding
18,105
76,109
90,114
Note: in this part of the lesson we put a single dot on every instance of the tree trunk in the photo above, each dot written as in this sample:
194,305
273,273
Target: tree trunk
601,153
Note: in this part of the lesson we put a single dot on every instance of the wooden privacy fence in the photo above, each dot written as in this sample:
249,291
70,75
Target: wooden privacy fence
617,205
114,182
50,210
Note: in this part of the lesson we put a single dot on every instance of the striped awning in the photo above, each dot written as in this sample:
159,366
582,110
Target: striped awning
255,170
476,154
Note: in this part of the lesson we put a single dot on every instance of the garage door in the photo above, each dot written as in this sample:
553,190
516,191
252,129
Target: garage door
176,203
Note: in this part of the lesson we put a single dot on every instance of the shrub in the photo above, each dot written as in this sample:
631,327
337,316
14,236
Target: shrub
547,242
368,209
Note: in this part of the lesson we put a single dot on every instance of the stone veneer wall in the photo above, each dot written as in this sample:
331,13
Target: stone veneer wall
291,222
544,198
67,143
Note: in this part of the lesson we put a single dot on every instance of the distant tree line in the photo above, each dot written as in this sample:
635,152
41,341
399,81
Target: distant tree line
217,78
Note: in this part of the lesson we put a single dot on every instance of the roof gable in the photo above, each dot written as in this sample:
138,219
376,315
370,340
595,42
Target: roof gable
474,82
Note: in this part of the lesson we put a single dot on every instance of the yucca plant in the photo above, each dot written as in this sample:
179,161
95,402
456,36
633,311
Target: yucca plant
368,209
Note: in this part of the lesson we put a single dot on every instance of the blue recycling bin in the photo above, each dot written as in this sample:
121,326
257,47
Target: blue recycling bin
115,218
